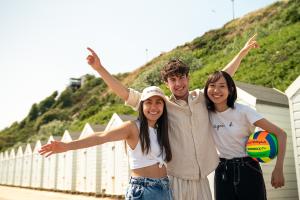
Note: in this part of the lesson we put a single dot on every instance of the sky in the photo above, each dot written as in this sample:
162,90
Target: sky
43,42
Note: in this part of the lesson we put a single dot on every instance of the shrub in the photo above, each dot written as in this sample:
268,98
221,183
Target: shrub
49,116
55,128
65,99
47,103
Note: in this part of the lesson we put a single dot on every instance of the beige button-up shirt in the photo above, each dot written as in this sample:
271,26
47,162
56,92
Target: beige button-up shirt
194,154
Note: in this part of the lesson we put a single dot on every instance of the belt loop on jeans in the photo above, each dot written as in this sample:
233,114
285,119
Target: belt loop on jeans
242,161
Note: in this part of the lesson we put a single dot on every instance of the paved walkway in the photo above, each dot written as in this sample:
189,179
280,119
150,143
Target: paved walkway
16,193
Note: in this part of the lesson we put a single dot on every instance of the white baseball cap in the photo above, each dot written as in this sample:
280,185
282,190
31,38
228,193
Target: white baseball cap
152,91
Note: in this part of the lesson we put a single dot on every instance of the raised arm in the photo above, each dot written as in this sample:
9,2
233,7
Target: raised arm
111,81
277,174
123,132
234,64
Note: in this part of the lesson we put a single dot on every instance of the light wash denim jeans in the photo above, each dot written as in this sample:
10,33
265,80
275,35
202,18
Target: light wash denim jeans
149,189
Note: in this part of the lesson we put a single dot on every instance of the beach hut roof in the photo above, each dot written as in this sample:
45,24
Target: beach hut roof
43,142
75,135
127,117
97,127
264,95
32,145
293,88
57,138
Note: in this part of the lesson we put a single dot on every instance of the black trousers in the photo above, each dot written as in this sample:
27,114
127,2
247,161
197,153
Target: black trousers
239,179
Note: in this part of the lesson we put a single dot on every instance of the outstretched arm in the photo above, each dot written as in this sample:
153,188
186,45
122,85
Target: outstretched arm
123,132
111,81
277,174
231,67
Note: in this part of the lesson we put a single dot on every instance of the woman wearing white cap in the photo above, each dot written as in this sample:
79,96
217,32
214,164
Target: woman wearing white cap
147,145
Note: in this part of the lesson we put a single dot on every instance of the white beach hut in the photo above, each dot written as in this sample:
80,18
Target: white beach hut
115,166
1,165
66,174
27,165
5,167
5,161
273,105
19,165
88,164
11,167
37,165
50,168
293,93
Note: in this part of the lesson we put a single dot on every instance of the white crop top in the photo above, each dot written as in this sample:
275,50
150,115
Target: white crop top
137,159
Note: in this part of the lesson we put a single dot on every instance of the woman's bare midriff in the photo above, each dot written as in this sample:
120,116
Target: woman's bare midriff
152,171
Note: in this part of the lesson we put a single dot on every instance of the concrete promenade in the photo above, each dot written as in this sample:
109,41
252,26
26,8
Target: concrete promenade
16,193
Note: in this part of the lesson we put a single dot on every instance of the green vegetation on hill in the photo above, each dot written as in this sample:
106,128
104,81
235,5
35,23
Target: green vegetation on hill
275,64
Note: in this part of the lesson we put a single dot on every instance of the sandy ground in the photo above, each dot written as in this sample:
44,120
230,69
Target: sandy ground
15,193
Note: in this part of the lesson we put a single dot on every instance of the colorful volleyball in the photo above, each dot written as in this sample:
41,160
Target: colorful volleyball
262,146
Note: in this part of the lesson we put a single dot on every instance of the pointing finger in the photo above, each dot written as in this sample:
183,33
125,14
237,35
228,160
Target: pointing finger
253,37
92,51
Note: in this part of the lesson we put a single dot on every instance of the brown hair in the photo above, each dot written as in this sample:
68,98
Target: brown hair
174,67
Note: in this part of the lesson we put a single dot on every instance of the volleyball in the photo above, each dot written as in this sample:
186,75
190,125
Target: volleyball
262,146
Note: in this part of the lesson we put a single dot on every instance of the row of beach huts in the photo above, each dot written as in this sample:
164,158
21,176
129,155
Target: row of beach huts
100,170
104,170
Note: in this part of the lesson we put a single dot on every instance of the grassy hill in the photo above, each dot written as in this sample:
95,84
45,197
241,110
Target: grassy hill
275,64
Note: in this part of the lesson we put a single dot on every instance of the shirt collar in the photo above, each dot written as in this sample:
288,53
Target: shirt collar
178,101
191,97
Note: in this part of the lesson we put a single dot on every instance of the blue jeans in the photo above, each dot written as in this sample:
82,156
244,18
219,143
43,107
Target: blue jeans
239,179
149,188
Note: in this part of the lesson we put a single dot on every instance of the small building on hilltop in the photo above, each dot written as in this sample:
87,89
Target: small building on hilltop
75,83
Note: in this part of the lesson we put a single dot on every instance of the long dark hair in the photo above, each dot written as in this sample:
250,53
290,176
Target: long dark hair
162,133
232,94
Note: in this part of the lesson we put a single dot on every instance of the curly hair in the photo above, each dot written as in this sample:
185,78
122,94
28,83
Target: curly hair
174,67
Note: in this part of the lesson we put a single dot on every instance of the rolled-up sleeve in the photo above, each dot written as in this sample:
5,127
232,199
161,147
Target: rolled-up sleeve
133,99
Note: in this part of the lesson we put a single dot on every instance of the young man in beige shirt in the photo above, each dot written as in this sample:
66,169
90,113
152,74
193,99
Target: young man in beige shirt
193,149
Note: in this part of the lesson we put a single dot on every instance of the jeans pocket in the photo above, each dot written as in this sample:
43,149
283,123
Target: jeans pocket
134,192
253,165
